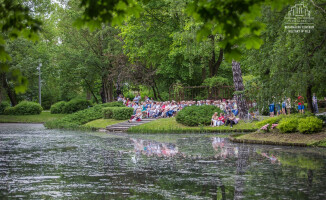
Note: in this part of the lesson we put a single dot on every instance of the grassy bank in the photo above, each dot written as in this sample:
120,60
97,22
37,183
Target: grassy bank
102,123
169,125
41,118
276,138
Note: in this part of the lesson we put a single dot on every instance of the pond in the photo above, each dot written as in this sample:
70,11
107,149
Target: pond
36,163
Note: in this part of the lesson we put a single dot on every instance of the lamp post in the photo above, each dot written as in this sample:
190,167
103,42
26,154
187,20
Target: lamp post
39,83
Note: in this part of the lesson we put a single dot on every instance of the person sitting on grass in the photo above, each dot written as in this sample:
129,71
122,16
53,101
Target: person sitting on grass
230,120
214,119
136,117
220,120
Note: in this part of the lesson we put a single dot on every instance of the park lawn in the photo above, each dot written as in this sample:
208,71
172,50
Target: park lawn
277,138
45,116
102,123
169,125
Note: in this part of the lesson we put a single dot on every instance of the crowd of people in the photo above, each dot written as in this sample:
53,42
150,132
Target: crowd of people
156,109
286,105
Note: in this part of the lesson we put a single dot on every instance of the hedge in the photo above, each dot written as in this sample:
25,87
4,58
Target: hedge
76,105
58,107
75,120
3,106
24,108
197,115
118,113
288,125
310,125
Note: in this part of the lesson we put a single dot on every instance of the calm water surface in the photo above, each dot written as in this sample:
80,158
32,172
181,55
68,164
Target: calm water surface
36,163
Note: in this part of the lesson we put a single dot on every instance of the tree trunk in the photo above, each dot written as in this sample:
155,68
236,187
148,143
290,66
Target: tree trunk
203,73
10,91
106,89
309,98
214,64
90,89
238,85
158,93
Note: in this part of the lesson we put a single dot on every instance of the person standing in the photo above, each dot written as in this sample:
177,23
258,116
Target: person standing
315,103
288,106
301,104
271,109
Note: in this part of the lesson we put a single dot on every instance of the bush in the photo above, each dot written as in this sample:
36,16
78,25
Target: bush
9,111
118,113
114,104
108,113
270,121
322,117
75,120
58,107
288,125
76,105
197,115
3,106
310,125
24,108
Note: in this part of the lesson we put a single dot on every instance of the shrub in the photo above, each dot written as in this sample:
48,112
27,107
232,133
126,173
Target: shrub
76,105
288,125
114,104
322,117
75,120
3,106
197,115
108,113
24,108
310,125
9,111
270,121
58,107
118,113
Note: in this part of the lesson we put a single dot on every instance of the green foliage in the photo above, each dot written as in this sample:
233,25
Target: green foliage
108,113
321,117
3,106
75,120
76,105
270,121
216,81
118,113
114,104
24,108
310,125
9,111
288,125
197,115
58,107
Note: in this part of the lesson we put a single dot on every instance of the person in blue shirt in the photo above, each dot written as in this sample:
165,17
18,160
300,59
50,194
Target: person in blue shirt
271,109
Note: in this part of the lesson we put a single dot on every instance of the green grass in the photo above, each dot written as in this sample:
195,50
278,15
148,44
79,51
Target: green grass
278,138
41,118
169,125
102,123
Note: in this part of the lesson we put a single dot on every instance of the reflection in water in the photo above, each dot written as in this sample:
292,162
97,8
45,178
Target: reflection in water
36,163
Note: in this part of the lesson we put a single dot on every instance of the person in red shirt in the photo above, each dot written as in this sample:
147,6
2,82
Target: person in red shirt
220,120
301,104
